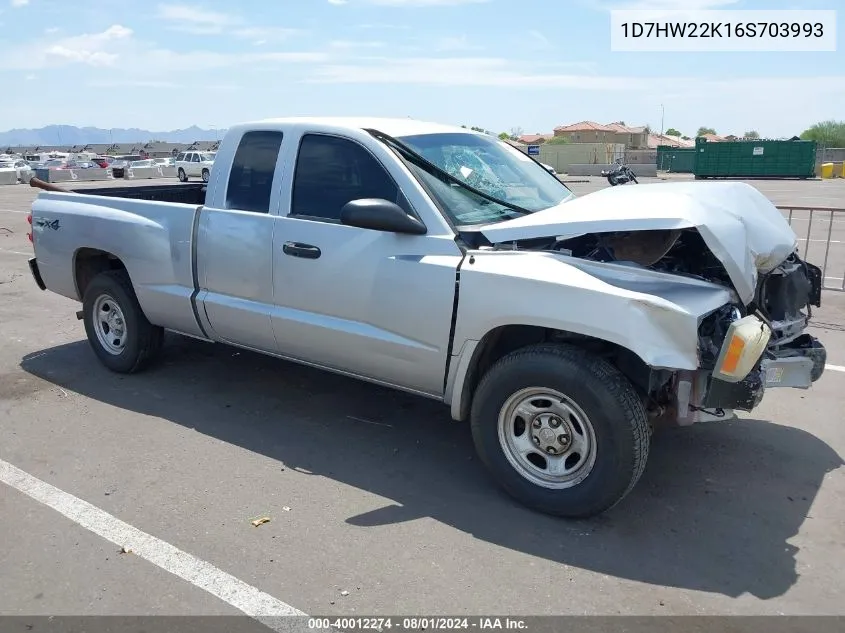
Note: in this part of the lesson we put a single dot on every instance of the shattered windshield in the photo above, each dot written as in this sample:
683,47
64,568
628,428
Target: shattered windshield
489,165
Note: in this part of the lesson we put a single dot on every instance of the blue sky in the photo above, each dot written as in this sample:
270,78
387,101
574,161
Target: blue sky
499,64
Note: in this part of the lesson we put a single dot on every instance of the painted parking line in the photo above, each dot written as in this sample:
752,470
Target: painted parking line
835,368
244,597
9,250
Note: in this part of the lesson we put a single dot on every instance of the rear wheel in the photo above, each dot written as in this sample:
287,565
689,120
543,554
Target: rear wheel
183,177
118,332
560,430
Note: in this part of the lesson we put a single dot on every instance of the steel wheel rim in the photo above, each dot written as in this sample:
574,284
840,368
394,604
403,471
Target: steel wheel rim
536,419
109,324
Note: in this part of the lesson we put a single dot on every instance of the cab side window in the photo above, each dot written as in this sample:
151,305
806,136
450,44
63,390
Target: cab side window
251,179
331,171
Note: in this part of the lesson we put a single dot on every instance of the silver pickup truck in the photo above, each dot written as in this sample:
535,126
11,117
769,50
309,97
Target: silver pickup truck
448,264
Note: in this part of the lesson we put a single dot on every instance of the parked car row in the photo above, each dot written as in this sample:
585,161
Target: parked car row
195,164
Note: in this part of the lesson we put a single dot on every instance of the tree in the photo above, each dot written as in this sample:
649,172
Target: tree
828,133
504,136
705,130
751,134
558,140
673,132
516,132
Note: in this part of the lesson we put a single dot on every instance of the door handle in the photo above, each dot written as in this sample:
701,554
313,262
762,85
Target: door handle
297,249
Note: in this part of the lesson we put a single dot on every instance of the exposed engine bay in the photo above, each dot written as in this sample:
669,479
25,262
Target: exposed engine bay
679,252
783,302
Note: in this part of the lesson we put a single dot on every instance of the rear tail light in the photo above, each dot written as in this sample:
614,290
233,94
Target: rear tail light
29,221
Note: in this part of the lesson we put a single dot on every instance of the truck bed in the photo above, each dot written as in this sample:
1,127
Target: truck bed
189,193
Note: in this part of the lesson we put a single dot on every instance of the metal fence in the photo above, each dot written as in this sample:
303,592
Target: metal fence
824,240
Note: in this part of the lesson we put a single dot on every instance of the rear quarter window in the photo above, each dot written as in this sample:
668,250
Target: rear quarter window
251,179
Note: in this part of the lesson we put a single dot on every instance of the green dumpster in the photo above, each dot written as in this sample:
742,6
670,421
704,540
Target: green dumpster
754,159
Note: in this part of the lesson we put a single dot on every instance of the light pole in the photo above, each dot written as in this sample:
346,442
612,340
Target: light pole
662,111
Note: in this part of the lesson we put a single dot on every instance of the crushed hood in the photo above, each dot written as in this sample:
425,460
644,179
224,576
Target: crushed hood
742,227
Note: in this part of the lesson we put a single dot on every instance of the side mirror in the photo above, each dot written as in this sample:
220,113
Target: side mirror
380,215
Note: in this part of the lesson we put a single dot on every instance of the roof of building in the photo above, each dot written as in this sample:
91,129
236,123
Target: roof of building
534,138
665,139
584,126
621,128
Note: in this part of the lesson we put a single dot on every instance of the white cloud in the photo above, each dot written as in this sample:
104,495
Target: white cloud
539,42
265,33
104,49
455,43
19,3
160,61
93,49
195,19
383,25
349,44
460,71
502,73
666,5
199,21
132,83
424,3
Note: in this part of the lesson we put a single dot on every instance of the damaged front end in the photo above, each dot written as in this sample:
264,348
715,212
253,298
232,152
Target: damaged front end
745,350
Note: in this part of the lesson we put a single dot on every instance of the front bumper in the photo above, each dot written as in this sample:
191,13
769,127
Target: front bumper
36,274
797,366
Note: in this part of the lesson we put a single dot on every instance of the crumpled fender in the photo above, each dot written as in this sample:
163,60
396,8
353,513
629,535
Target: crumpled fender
653,314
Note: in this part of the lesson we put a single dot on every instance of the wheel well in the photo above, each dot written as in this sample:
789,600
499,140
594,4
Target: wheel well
90,262
509,338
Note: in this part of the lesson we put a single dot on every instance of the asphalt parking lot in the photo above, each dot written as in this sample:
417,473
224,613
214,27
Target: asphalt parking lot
376,502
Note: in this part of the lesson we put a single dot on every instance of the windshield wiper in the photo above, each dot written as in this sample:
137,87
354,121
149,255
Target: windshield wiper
422,162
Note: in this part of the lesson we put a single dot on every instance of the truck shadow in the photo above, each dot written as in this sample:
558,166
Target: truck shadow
713,511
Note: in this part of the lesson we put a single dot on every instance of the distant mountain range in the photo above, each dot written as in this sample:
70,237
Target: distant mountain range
71,135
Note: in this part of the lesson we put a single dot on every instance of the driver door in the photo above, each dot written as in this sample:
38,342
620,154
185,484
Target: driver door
370,303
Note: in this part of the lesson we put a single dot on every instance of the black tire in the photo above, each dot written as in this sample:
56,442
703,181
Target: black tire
143,340
614,411
612,180
183,177
205,175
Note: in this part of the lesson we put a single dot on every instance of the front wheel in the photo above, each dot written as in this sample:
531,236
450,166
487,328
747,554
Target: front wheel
612,180
183,177
560,430
205,175
118,331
